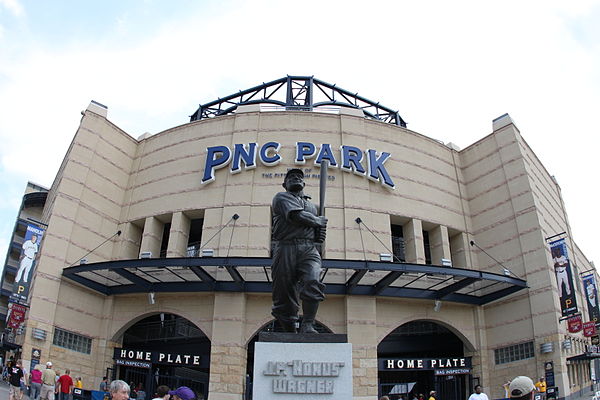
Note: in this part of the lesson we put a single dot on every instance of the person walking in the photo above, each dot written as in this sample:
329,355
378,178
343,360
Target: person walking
64,386
35,381
104,384
48,382
15,374
182,393
541,386
119,390
478,395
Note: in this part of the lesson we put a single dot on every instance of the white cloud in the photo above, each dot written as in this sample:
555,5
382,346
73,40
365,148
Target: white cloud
14,6
448,67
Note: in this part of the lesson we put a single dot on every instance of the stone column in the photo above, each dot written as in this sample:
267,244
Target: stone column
459,245
178,236
228,347
152,236
439,244
361,326
413,241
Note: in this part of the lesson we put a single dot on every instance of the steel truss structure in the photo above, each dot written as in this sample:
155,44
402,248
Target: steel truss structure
251,274
298,93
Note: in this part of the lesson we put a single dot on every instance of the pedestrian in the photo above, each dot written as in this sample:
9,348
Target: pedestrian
104,384
48,383
433,395
15,374
24,382
478,395
541,386
140,393
78,383
65,386
35,381
162,393
521,388
183,393
119,390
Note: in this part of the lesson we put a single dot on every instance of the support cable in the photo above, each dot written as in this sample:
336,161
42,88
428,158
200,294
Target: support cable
94,249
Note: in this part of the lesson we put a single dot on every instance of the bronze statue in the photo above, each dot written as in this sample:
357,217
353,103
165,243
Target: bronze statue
296,261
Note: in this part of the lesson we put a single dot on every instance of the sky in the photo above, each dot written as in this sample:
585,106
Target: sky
449,67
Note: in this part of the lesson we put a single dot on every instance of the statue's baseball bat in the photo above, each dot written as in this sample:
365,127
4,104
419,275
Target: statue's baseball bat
322,190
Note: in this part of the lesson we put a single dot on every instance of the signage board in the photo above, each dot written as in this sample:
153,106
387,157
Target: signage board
156,357
243,156
411,364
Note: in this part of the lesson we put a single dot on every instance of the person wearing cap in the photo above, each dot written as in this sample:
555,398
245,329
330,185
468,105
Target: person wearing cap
296,264
478,395
183,393
432,395
521,388
541,386
48,383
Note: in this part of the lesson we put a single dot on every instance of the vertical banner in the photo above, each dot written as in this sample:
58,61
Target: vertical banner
591,295
30,248
564,277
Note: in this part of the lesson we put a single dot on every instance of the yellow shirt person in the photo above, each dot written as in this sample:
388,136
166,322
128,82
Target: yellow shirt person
541,385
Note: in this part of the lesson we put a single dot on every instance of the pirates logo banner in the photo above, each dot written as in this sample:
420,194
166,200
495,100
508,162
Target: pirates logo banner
30,248
564,277
591,294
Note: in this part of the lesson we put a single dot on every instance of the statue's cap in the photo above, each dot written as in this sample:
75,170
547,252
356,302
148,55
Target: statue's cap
294,171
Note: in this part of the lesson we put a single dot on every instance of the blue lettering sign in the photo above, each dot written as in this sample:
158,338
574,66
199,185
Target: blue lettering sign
264,154
376,167
240,154
326,154
351,158
216,157
304,150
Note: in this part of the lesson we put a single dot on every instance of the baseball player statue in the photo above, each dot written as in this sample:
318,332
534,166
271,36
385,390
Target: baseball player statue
296,261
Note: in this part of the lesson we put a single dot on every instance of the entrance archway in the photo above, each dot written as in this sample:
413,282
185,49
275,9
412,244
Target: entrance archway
421,356
164,349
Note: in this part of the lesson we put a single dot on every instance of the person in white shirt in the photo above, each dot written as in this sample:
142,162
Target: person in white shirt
478,395
30,248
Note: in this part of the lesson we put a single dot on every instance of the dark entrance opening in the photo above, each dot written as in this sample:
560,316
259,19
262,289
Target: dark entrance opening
166,334
270,327
421,340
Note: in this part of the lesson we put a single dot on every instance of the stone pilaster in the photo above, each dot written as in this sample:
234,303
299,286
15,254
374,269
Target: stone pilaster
362,333
459,245
439,244
152,236
228,347
413,241
178,236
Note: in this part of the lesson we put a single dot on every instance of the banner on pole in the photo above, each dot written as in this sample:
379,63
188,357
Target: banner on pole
29,251
564,277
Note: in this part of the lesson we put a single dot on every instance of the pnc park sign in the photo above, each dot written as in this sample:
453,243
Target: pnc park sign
368,163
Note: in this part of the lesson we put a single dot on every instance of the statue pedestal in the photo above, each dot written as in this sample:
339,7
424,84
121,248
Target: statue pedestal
291,366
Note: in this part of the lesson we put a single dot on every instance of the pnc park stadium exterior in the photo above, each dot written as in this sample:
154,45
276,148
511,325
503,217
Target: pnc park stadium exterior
155,261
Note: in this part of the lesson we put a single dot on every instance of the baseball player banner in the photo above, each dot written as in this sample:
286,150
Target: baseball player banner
30,248
591,295
564,277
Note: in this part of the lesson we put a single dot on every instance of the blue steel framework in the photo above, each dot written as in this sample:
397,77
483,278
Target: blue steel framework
188,275
303,93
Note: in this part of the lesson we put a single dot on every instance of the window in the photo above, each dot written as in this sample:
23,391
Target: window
515,352
195,237
398,243
165,240
72,341
427,247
